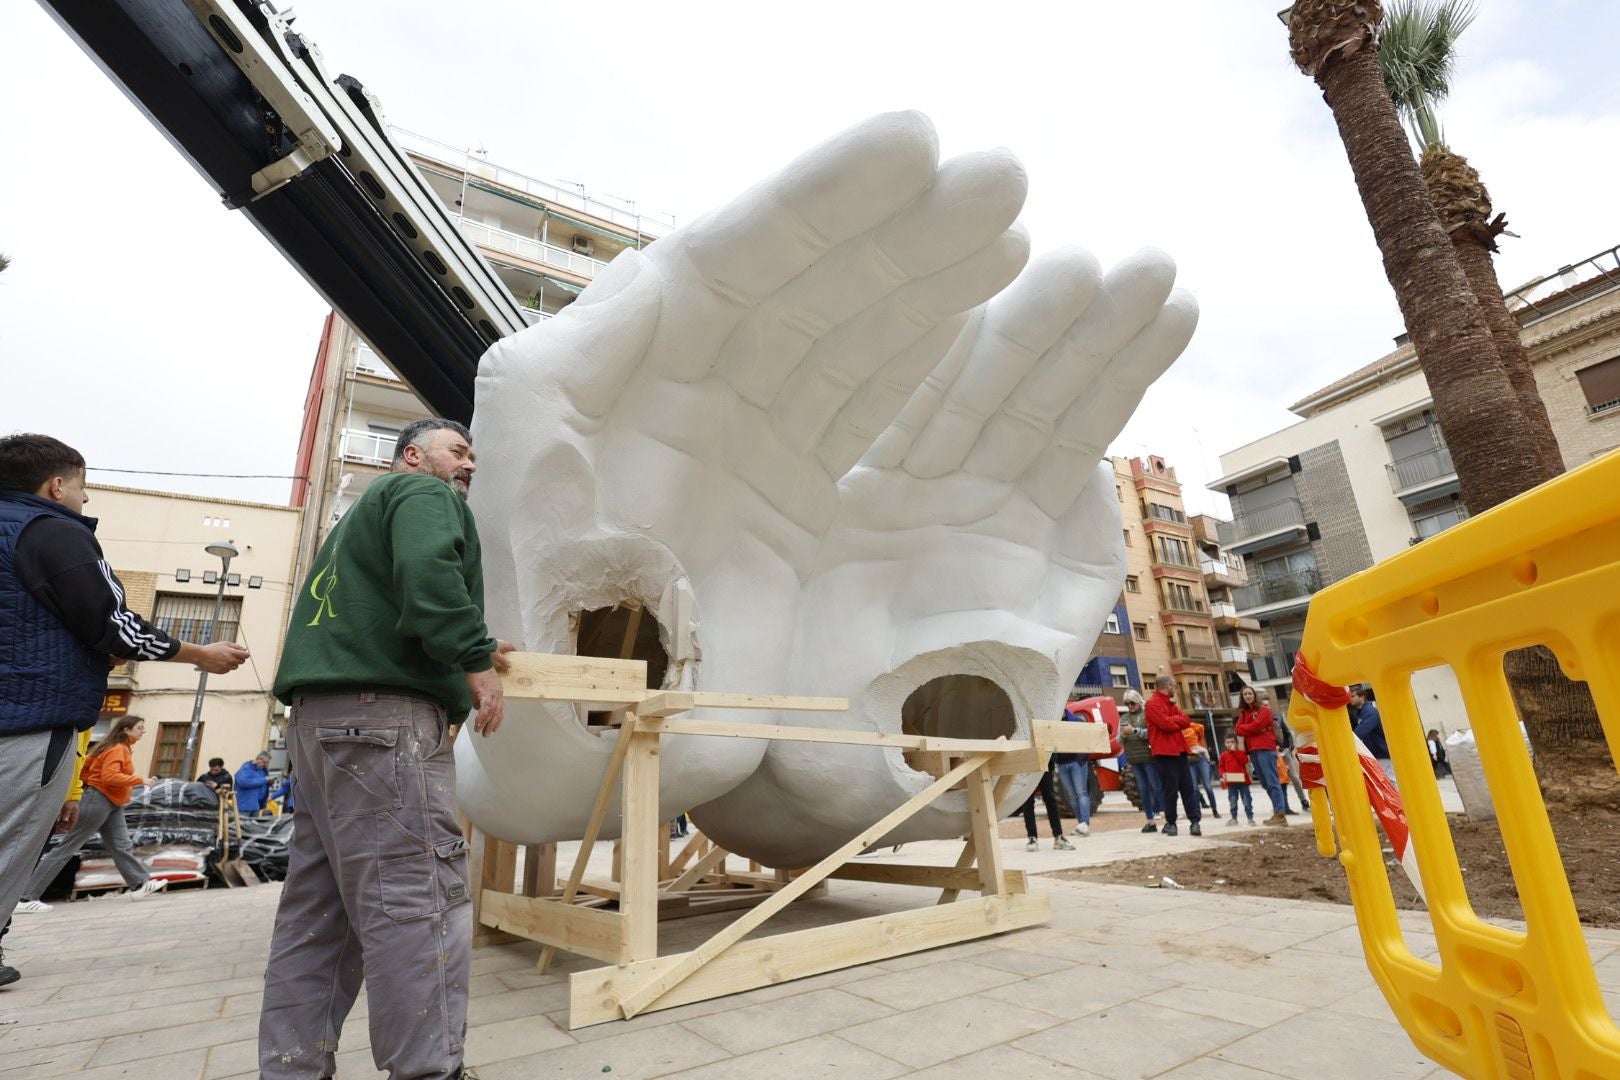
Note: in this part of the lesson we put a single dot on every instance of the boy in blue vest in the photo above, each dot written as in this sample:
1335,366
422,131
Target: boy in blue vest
63,625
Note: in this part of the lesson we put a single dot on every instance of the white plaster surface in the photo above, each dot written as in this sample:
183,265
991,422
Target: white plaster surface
833,445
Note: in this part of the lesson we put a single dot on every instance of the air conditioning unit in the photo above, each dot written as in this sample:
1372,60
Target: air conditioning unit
584,245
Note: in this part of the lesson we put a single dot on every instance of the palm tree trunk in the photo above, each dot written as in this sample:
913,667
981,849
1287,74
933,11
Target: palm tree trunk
1476,262
1473,399
1479,408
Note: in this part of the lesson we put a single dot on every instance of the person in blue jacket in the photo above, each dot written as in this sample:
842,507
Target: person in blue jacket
253,785
1370,728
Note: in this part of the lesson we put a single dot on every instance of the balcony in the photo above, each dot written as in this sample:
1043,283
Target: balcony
1423,476
1226,617
534,251
1175,606
1269,526
1232,655
367,362
1271,668
368,448
1229,571
1275,595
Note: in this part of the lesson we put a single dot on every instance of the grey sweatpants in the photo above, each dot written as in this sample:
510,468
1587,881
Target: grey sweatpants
29,803
96,814
376,891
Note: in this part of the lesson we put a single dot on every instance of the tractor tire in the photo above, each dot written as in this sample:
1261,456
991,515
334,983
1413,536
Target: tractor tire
1127,784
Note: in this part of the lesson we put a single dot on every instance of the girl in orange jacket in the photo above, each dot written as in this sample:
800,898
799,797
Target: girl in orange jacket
109,778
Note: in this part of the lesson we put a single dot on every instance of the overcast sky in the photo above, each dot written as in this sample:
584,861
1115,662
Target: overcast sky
155,330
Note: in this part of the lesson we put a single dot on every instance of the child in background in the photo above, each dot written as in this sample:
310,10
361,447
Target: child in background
1235,779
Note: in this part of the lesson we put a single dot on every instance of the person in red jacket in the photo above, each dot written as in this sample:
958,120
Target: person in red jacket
1235,779
1254,724
1166,724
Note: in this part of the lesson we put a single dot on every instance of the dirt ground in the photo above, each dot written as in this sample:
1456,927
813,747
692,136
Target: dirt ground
1284,863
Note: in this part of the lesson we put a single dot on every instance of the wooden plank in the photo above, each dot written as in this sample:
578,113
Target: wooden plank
593,826
970,849
694,846
581,930
530,672
986,840
785,733
665,703
929,877
632,625
540,870
715,857
1020,763
599,995
1069,737
638,846
638,999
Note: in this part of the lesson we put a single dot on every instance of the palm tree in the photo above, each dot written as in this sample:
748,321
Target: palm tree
1336,43
1417,53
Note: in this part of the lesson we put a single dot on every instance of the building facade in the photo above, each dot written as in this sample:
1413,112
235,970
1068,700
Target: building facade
1112,669
154,542
545,241
1237,637
1366,473
1168,608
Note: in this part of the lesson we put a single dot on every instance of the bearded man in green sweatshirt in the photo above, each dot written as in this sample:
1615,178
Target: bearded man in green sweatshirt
386,649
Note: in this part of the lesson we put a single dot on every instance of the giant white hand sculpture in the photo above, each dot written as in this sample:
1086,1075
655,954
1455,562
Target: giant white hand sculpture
676,435
979,537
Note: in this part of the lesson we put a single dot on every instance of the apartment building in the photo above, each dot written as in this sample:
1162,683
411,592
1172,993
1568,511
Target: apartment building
1111,669
1237,637
1171,627
545,240
1366,472
155,541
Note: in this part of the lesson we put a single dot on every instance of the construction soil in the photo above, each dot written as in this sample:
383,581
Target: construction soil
1283,862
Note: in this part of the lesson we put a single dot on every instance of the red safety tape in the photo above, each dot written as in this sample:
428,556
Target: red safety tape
1324,694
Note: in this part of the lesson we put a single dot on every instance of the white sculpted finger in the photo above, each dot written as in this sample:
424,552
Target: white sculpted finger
590,349
1091,423
771,233
891,448
897,340
1088,562
1019,327
1130,298
973,201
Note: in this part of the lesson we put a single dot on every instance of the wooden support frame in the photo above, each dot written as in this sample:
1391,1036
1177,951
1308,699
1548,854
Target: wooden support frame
653,885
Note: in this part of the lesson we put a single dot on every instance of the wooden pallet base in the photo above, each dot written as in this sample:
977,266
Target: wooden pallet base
617,921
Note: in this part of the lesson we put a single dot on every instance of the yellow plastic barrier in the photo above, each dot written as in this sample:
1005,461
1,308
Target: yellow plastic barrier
1541,569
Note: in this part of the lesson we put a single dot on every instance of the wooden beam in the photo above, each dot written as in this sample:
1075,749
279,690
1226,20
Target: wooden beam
715,857
929,877
641,997
664,703
639,847
533,674
540,870
581,930
970,849
694,846
593,826
1069,737
785,733
600,994
986,840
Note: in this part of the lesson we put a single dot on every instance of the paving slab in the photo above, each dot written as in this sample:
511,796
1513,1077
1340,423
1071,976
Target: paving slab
1125,982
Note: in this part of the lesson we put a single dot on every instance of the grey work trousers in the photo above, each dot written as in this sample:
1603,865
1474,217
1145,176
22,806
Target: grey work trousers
376,891
96,814
29,803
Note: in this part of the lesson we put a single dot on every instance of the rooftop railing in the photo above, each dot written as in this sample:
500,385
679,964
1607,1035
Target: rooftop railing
533,250
620,212
1567,285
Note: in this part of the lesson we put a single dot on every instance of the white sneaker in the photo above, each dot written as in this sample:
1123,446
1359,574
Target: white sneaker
147,888
1253,823
1231,822
1082,829
1033,845
1061,843
32,907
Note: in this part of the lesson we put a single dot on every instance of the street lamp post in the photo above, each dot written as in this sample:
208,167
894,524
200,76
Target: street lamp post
225,552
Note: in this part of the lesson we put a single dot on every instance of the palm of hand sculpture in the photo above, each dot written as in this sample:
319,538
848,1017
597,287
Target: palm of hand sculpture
665,439
978,537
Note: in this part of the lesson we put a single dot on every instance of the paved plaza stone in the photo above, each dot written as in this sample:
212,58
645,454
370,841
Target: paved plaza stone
1125,982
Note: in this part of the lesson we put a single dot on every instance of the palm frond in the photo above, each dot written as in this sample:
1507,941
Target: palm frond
1417,55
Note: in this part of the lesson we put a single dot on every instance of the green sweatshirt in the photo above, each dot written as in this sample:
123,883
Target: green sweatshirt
394,601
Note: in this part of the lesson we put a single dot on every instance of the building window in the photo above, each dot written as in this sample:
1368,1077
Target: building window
187,617
1601,385
1112,626
209,521
1179,597
1427,525
1119,676
1141,630
171,749
1127,538
1173,551
1132,584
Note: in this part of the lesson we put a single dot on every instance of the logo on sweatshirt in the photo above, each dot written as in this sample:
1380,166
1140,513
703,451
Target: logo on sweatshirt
327,577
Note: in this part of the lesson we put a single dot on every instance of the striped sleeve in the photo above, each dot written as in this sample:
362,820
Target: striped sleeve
62,566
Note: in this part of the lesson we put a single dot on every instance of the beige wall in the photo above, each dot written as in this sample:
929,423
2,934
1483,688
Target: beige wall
1152,655
149,535
1559,347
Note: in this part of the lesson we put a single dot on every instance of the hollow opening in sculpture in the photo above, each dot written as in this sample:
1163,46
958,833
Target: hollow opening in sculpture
955,707
624,632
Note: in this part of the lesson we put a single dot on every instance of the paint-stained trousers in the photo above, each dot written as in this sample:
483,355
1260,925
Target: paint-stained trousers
376,891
